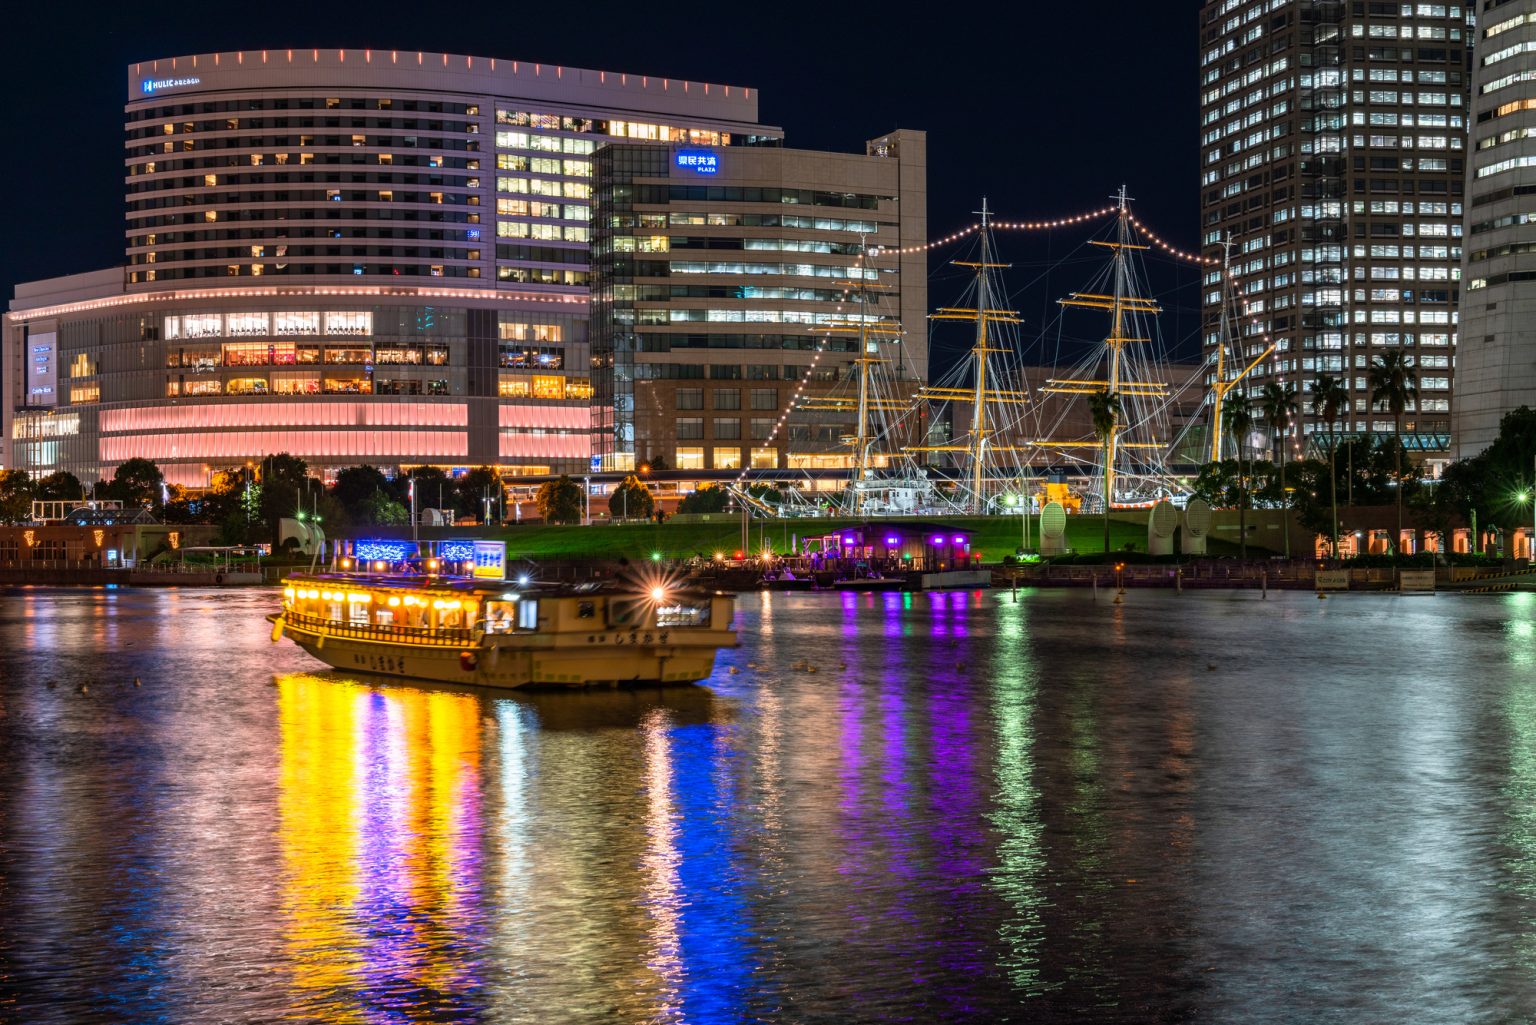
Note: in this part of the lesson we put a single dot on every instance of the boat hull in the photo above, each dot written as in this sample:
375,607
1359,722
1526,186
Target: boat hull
606,659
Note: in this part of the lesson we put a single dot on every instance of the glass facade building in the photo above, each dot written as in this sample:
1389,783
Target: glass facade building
730,284
349,255
1333,157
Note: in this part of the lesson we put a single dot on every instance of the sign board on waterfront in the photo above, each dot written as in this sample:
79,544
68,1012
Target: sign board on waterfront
1415,580
1333,580
490,560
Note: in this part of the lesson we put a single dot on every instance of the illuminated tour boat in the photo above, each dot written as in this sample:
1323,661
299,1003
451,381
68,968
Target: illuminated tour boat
451,616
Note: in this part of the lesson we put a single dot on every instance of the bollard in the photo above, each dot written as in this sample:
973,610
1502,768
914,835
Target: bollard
1178,580
1263,584
1095,587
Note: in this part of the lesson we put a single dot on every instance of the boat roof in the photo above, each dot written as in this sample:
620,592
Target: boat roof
490,588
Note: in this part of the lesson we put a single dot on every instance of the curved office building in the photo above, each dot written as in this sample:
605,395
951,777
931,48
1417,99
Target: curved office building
1496,361
349,255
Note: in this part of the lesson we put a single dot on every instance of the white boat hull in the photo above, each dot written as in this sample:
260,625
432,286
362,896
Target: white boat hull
608,658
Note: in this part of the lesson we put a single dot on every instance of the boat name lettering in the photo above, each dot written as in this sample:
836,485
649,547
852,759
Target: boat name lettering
380,663
630,638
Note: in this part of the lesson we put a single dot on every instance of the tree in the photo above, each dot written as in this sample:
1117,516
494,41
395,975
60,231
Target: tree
471,490
286,468
709,499
1239,421
1488,486
433,489
1329,401
355,485
224,497
1394,386
631,499
136,483
1104,408
379,509
16,492
1278,404
59,487
559,501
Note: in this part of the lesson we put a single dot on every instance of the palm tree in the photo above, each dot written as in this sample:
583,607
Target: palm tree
1278,404
1104,408
1329,401
1394,385
1239,421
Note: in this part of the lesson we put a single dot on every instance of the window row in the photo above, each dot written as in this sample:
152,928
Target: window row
235,325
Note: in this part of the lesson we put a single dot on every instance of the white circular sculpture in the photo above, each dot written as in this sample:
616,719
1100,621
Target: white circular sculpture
1053,529
1162,521
1197,526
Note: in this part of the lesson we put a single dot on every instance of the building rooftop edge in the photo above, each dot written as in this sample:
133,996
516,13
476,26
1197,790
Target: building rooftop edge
94,290
187,65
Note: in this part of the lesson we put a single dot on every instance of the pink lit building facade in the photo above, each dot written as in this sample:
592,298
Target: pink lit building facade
350,255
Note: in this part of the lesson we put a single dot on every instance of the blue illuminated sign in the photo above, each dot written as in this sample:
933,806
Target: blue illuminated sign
456,551
151,85
383,550
699,161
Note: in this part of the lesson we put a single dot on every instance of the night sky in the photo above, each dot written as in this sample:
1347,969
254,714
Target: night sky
1044,107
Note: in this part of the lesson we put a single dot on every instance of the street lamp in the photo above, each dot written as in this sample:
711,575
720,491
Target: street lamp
1285,525
1023,504
1523,497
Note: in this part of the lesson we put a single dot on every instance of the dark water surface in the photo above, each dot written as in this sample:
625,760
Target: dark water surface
1204,808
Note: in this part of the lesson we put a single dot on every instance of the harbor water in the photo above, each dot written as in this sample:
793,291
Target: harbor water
945,807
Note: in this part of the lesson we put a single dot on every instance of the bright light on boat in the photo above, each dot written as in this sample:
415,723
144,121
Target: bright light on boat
378,567
346,563
522,581
288,593
393,601
432,565
659,593
357,598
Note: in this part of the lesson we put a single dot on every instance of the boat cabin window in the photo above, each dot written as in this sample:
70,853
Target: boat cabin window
586,610
333,611
499,616
357,612
504,617
683,614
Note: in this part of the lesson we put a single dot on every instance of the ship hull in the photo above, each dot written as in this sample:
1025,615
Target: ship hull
605,659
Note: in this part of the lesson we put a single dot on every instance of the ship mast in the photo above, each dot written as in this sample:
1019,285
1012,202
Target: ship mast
874,402
1227,335
978,450
862,438
1122,307
1116,341
979,362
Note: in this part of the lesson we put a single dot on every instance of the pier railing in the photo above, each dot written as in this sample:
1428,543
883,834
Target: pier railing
444,637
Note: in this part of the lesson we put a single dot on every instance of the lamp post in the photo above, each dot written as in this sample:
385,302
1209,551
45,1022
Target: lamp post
1285,525
1523,497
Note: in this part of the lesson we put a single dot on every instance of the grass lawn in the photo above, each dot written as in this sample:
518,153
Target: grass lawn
993,536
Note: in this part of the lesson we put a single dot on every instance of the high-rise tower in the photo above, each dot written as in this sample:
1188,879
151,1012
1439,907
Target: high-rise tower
1497,361
1333,153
